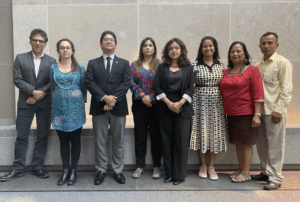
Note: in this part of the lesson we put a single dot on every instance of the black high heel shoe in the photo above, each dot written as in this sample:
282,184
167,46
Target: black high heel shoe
177,182
168,179
73,177
64,177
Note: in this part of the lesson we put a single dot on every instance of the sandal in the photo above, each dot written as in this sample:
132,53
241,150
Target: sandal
234,175
272,186
240,180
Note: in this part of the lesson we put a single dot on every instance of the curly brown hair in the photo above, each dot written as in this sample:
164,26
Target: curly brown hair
182,60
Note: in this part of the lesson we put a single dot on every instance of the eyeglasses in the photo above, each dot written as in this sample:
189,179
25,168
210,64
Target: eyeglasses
35,41
109,39
65,48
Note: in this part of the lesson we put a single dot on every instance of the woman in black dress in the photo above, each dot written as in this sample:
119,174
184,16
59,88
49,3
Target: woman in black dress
174,85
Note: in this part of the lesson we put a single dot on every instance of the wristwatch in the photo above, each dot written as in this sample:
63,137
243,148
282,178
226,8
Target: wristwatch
258,114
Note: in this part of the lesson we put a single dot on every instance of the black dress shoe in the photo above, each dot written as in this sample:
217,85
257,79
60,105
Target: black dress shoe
99,178
14,174
260,177
177,182
168,179
73,177
64,177
41,173
119,177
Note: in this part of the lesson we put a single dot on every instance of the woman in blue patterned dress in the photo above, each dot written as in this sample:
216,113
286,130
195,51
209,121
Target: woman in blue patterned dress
144,107
209,134
68,112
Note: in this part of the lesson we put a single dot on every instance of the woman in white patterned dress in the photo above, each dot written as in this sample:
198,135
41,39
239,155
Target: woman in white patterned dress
209,132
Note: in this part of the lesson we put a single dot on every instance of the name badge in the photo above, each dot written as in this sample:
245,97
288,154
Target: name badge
269,79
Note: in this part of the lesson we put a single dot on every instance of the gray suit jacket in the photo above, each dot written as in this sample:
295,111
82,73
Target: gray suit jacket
26,81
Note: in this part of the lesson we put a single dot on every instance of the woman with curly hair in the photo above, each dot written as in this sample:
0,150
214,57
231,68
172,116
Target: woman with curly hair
174,86
67,111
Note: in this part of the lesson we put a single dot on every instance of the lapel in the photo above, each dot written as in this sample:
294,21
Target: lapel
184,77
30,59
41,65
102,67
167,75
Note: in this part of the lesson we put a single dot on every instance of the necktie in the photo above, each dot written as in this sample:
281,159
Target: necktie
108,66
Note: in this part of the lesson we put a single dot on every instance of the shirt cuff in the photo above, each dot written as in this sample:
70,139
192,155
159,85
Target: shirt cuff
160,96
259,100
279,110
187,97
102,98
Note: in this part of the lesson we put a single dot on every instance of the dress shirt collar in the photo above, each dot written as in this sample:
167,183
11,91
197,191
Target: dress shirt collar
111,56
272,58
39,57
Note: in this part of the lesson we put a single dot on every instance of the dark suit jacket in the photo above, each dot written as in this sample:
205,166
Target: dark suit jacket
26,81
161,85
99,85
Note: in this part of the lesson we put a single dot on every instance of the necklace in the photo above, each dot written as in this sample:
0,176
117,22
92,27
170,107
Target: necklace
174,66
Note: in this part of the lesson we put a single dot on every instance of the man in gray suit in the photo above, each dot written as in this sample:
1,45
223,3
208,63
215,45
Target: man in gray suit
31,77
108,80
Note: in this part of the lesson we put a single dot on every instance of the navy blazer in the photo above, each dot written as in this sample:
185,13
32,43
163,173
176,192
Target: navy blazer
26,81
99,85
161,85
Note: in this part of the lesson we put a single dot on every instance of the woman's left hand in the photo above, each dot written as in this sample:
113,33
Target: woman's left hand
147,100
176,107
256,121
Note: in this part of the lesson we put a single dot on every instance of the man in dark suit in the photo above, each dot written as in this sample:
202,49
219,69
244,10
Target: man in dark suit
108,80
31,77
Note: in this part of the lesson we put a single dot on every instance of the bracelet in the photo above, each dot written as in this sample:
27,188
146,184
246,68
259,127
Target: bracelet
258,114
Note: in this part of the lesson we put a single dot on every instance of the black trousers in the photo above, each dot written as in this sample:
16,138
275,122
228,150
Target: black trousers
23,123
146,119
175,132
65,138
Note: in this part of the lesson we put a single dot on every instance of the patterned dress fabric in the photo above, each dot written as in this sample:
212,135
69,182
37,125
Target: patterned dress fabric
68,89
209,125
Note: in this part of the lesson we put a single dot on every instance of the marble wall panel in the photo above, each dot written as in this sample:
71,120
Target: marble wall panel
25,19
261,1
29,2
5,3
86,2
249,21
6,39
7,105
182,1
85,24
187,22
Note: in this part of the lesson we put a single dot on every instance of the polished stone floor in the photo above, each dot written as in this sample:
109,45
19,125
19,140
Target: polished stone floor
30,183
32,189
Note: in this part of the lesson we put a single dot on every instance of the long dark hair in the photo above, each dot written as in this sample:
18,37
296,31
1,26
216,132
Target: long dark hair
75,65
182,60
247,55
216,53
154,60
